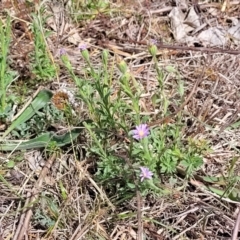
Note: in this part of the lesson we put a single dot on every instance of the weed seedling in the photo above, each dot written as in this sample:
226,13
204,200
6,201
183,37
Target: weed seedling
138,158
6,76
43,66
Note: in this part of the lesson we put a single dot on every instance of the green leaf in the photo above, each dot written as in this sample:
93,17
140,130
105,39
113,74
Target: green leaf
233,195
63,190
181,88
171,69
42,141
219,180
131,185
43,97
11,164
9,186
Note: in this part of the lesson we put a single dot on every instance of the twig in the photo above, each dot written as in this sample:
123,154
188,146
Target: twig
199,49
80,232
25,218
187,229
139,199
139,215
236,227
176,47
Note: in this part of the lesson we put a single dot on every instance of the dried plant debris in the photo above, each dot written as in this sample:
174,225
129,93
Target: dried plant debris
182,24
54,191
186,25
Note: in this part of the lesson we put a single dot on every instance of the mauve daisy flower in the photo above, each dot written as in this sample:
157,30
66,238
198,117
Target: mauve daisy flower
153,41
145,173
82,46
62,51
140,132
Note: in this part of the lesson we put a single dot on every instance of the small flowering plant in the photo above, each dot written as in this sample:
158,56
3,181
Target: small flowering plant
137,163
141,148
145,173
84,51
82,47
140,132
153,41
62,52
153,48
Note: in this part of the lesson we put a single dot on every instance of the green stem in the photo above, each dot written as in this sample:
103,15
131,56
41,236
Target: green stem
5,40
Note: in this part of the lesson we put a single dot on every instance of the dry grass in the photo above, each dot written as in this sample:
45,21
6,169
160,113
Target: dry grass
86,212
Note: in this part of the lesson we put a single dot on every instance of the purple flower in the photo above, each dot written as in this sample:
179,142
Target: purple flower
82,46
141,131
62,51
145,173
153,41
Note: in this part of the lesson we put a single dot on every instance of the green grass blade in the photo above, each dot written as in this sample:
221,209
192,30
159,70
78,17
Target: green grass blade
42,141
38,102
2,179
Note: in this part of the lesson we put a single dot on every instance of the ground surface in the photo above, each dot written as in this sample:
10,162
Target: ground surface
209,113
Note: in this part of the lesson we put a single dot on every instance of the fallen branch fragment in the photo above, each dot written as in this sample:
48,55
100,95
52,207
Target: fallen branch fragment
236,227
26,216
174,47
199,49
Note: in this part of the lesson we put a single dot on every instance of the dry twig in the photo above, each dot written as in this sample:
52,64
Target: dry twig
26,217
236,227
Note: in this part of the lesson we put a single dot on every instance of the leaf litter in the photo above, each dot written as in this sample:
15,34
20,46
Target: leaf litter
211,113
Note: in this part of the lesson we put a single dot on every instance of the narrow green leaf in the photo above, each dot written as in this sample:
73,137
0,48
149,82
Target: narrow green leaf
218,180
43,97
63,190
131,186
4,181
233,195
42,141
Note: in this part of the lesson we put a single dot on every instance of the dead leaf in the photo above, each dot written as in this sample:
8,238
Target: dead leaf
192,19
180,29
35,160
235,33
74,38
214,36
49,180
